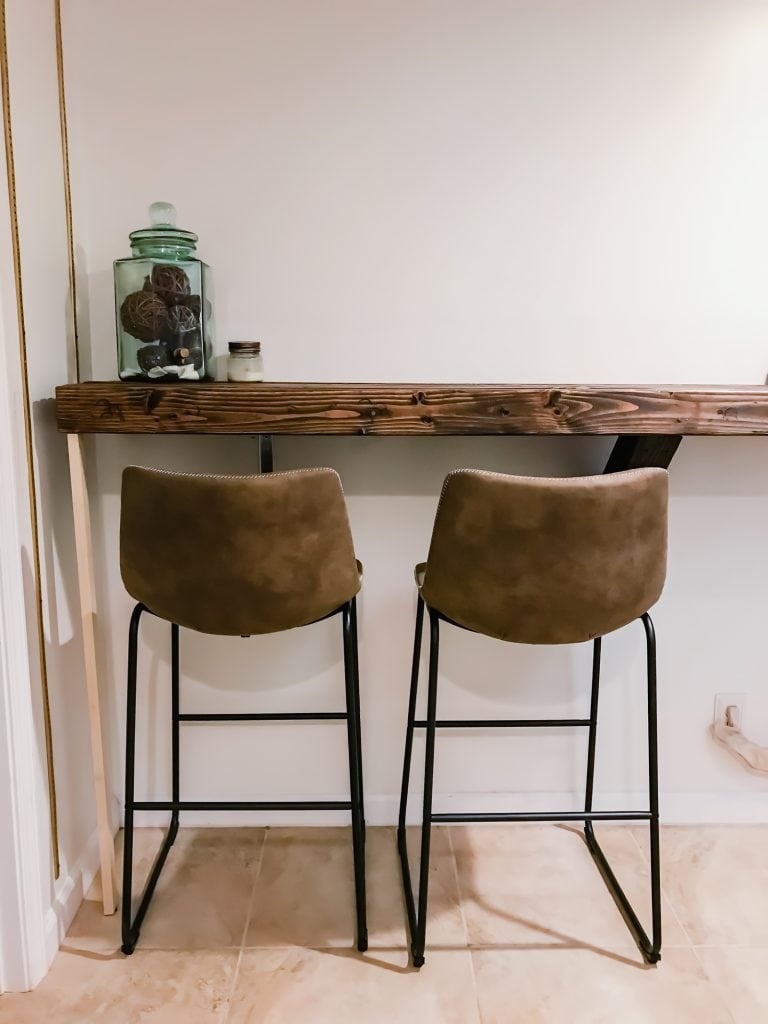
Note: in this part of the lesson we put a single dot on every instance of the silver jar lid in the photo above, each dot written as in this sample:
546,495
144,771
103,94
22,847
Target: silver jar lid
245,347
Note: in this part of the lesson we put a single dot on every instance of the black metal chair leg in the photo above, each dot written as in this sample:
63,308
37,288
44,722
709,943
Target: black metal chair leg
653,788
175,785
596,651
650,948
131,929
358,728
128,938
402,845
429,767
355,778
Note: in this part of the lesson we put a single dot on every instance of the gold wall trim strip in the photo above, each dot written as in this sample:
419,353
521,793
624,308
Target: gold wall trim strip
67,187
32,482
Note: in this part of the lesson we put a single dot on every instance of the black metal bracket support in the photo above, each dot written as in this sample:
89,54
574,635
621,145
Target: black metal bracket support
642,451
266,462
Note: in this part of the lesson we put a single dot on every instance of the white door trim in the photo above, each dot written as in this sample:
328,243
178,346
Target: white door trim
24,830
23,946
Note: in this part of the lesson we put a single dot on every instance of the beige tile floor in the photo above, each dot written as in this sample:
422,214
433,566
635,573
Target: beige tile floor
255,926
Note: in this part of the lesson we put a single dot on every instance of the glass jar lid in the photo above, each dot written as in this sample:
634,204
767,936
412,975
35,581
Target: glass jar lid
163,238
245,348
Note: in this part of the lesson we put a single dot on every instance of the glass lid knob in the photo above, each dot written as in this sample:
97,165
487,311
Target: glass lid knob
162,215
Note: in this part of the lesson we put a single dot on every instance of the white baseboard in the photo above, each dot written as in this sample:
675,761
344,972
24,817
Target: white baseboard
69,893
676,809
715,808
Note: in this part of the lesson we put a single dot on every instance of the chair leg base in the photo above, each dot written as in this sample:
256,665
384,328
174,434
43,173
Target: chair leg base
173,831
132,929
416,960
362,943
650,950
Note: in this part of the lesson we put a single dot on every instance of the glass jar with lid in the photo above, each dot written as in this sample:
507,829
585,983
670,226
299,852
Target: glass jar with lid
163,304
245,363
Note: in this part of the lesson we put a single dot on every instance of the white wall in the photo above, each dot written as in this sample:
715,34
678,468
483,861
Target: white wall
505,190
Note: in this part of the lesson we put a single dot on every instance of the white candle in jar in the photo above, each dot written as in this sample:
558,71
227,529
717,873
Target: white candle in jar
245,362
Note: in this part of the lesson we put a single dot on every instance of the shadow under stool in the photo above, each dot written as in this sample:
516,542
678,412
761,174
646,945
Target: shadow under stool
238,556
540,561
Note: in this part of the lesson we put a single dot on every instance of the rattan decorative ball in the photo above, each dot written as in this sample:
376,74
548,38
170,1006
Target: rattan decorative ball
170,283
182,325
144,315
183,319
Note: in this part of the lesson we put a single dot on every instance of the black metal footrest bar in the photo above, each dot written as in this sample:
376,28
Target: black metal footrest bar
242,805
503,723
289,716
545,816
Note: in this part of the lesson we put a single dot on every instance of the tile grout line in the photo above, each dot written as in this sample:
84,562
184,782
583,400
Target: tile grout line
696,949
693,949
248,916
737,946
475,992
668,901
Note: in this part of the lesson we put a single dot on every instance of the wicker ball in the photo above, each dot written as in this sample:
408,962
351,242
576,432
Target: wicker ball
183,319
144,315
170,283
182,324
195,303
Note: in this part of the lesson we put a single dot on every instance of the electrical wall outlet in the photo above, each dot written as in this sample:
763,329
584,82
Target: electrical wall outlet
733,701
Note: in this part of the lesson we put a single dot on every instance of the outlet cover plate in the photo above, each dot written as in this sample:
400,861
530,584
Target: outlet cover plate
722,701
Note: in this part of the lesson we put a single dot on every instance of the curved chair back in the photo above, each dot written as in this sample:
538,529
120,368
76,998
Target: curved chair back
547,561
237,555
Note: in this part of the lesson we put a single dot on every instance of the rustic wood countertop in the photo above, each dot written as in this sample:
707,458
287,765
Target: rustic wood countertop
423,410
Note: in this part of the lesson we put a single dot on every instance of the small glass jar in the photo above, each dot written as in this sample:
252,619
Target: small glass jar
163,304
245,363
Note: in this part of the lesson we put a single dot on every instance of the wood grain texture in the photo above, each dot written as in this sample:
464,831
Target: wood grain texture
423,410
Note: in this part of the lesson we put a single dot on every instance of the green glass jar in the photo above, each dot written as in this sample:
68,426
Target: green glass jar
163,304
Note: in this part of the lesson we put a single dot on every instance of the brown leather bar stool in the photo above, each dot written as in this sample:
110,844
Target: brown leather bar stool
237,556
541,561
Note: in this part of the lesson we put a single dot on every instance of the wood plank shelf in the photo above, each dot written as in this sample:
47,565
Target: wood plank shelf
113,407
